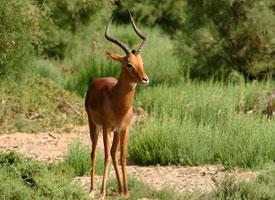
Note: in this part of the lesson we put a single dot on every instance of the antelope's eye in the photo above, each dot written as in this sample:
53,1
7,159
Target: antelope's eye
130,65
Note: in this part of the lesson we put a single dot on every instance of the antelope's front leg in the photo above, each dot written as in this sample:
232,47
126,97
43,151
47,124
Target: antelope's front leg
123,148
106,132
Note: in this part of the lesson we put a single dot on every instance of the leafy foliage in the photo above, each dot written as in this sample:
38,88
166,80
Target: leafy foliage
66,17
69,14
220,37
20,32
169,15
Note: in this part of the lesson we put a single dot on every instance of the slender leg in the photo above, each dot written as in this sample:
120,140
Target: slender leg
123,148
115,160
94,138
107,159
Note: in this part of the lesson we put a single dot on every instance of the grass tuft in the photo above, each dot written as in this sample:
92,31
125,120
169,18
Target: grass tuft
79,159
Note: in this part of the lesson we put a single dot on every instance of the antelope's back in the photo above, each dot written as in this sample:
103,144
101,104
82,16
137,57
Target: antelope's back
97,89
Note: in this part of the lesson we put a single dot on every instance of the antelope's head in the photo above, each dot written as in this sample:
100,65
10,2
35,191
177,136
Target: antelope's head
132,63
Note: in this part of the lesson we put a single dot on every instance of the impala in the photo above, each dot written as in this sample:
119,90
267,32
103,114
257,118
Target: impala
108,104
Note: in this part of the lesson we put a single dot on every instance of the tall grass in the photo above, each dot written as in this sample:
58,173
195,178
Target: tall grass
160,63
89,70
79,159
199,123
85,57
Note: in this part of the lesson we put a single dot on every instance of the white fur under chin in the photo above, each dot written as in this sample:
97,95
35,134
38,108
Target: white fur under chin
133,85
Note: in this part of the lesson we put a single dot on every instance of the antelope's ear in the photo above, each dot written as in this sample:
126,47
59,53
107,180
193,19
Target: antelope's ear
116,56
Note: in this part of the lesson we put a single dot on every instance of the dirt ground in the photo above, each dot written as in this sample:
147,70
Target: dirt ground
50,146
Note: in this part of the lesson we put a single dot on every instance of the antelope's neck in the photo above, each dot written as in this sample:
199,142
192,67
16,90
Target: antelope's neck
124,92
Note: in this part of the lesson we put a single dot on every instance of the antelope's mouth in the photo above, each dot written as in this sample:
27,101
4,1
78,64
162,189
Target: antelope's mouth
142,80
145,81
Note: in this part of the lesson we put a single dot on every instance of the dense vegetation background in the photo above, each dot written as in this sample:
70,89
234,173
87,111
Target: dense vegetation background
213,38
211,67
63,43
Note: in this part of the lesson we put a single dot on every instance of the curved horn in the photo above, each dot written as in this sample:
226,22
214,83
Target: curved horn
119,43
139,33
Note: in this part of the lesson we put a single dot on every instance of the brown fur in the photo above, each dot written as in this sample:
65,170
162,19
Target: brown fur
109,104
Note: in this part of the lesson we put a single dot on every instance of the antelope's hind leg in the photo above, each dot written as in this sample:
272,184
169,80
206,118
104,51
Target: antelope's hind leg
106,132
94,138
123,148
115,159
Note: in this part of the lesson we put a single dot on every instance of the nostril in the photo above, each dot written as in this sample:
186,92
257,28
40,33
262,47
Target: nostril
145,80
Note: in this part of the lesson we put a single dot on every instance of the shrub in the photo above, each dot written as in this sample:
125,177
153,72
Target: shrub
27,179
19,33
66,18
169,15
220,37
72,14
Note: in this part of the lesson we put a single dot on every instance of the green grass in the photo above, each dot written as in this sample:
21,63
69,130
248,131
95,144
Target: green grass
258,188
28,179
160,64
34,104
48,69
188,123
139,190
199,123
85,58
25,179
261,187
79,159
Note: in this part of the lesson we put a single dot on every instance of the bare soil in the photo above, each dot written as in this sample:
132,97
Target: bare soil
51,146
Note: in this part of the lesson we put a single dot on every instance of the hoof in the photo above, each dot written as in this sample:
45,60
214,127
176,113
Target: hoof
101,197
126,194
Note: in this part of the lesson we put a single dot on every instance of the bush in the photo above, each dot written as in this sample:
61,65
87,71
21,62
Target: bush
66,18
70,15
220,37
19,33
27,179
169,15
